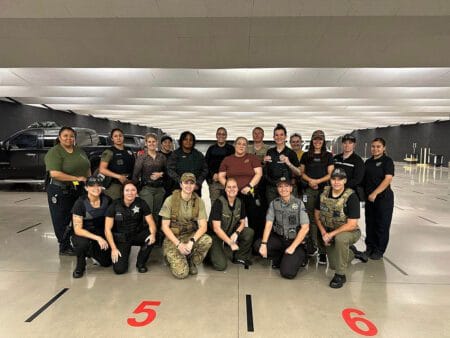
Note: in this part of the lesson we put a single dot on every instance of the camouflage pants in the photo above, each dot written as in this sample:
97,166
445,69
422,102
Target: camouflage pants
178,263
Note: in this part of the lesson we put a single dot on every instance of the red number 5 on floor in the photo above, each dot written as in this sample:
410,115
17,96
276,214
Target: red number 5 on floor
144,307
370,330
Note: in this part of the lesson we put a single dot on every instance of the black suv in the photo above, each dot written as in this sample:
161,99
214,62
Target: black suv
22,154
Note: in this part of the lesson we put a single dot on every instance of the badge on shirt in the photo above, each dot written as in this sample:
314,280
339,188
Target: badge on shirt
246,160
305,198
135,209
378,164
130,152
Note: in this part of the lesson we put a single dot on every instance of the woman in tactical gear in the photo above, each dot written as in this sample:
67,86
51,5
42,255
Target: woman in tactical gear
124,227
150,169
379,172
246,170
116,164
89,227
316,167
337,213
67,166
184,222
287,225
227,229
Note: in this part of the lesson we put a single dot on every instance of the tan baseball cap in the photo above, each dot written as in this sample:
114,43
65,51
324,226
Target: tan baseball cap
188,177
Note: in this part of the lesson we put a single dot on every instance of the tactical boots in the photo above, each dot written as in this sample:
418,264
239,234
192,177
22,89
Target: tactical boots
359,254
337,281
192,268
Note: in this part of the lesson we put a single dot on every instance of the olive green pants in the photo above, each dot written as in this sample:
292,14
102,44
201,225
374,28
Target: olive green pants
114,191
339,254
220,253
178,263
311,198
154,197
215,191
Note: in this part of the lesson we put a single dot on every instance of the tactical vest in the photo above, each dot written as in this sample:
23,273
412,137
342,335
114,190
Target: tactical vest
287,219
122,161
332,213
230,218
181,228
94,220
126,220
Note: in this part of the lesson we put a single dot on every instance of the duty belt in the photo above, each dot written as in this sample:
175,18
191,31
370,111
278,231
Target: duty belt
62,184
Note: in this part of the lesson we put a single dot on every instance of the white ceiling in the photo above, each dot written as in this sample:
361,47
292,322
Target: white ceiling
337,100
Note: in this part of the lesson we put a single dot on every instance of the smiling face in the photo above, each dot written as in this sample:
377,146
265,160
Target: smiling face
129,193
187,186
377,149
279,137
187,143
317,144
337,183
221,136
151,143
67,138
167,145
94,190
296,143
284,190
231,188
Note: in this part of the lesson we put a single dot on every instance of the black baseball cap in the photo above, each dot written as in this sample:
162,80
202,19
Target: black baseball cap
166,137
349,137
339,173
94,180
283,179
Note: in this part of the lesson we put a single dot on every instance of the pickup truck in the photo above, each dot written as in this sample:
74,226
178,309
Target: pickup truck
22,154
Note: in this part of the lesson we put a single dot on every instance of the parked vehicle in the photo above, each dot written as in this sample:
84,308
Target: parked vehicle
134,142
22,154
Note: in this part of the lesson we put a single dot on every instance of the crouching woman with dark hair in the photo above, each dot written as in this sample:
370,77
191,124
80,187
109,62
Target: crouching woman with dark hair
89,227
124,227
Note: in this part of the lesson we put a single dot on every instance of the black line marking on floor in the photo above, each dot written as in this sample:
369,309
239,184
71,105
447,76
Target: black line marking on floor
31,226
28,198
442,199
417,192
426,219
395,265
42,309
248,300
398,207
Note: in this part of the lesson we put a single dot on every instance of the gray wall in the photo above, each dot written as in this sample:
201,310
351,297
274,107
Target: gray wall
399,139
15,117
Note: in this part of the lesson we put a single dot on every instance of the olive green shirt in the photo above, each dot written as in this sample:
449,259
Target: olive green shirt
260,153
185,213
107,155
75,163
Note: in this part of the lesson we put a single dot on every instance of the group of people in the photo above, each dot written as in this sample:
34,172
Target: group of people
281,203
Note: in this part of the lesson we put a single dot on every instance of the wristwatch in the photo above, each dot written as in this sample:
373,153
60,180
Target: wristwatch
192,239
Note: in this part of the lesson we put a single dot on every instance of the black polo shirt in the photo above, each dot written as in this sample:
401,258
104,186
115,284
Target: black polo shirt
276,169
375,172
214,156
135,213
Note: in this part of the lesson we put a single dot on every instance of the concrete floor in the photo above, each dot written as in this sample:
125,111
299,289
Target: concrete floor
405,295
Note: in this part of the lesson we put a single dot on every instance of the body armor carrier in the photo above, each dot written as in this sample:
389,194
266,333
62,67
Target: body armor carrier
94,220
332,213
287,219
182,228
230,218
